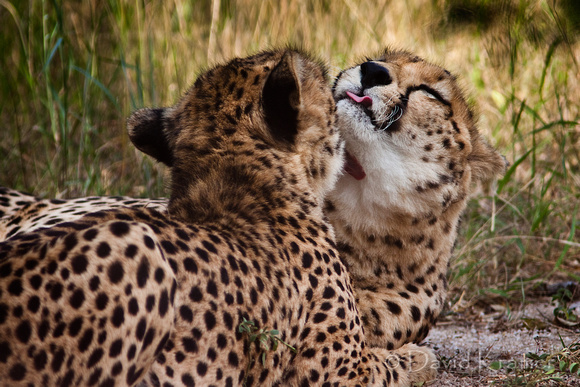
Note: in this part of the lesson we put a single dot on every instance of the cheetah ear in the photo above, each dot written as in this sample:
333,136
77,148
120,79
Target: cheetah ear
281,98
486,163
146,128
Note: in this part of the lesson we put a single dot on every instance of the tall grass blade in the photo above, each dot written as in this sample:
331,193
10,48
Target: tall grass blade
51,55
570,239
547,60
550,125
98,83
511,170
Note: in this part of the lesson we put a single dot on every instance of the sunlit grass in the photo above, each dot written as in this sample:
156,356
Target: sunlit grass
72,72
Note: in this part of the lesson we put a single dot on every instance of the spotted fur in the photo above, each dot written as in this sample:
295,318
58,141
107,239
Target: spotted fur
132,295
21,212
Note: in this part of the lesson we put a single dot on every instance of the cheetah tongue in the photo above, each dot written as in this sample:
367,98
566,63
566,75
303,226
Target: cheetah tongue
353,167
365,100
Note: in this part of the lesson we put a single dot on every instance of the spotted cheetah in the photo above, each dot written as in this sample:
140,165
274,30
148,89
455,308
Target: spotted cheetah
391,247
132,295
413,153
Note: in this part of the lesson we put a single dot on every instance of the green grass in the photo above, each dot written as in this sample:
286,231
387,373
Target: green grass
548,368
72,72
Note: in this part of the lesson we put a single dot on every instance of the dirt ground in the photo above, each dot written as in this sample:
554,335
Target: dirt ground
467,346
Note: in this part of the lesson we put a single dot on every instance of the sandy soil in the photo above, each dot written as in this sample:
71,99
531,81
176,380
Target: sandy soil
466,347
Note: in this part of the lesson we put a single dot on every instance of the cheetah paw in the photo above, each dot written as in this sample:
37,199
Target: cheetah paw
422,363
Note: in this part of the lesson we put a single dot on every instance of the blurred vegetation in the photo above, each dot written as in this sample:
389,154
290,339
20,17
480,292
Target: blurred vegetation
72,71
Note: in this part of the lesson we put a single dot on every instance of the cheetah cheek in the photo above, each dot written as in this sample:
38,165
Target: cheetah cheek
353,167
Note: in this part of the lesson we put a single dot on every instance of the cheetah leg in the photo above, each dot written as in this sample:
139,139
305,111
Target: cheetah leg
392,320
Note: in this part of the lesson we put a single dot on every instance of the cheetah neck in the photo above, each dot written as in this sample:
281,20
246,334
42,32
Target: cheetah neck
400,241
226,191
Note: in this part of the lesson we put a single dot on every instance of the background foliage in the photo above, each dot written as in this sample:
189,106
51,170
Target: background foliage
71,71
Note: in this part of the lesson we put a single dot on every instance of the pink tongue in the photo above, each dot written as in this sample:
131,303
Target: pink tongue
366,101
353,167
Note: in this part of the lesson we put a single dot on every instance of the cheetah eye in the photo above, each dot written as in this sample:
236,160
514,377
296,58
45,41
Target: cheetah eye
429,94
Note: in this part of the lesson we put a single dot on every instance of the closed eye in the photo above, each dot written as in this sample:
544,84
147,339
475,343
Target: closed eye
429,94
426,90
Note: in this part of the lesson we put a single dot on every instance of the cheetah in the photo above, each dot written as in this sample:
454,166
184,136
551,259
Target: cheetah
391,247
133,296
413,153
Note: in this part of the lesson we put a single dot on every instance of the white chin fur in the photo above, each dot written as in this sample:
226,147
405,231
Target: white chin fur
392,175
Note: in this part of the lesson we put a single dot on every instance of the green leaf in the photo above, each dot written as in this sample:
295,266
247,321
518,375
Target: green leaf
549,369
563,365
496,365
532,356
574,367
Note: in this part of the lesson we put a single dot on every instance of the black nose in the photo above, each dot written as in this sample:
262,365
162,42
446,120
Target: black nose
374,74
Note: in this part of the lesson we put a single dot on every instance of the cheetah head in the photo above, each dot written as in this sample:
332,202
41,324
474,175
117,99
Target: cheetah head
271,114
412,146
